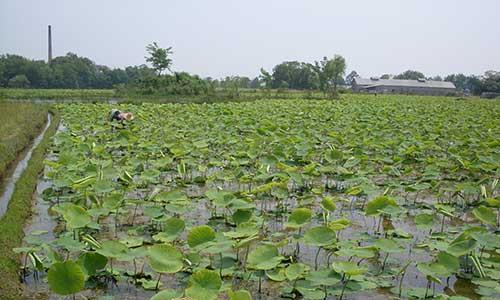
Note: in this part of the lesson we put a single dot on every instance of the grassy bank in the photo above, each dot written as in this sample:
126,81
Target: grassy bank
55,94
20,123
12,223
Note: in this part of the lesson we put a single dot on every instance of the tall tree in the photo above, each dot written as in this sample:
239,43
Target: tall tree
159,57
410,74
266,77
350,78
330,73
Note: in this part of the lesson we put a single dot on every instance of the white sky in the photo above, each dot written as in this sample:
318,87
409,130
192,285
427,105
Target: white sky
231,37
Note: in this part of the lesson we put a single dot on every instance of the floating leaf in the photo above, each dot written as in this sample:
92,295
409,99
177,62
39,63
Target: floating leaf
204,285
165,258
66,278
348,267
374,206
299,217
485,215
91,262
319,236
264,257
239,295
200,235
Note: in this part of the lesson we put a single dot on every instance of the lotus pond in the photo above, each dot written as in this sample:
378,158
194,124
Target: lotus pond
368,197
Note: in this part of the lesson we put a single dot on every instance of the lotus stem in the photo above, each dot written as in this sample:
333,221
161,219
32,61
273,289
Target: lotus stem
220,268
260,284
385,260
316,259
427,288
158,282
344,286
135,211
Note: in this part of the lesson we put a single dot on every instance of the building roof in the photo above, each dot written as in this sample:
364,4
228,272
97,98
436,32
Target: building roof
372,82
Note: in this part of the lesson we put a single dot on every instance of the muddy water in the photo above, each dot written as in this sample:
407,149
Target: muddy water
199,213
18,171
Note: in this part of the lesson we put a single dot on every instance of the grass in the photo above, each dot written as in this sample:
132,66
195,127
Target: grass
56,94
12,223
21,122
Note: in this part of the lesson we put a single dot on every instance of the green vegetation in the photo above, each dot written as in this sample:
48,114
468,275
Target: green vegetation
12,223
294,199
20,123
56,94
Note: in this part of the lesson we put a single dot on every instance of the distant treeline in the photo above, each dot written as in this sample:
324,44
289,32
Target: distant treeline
72,71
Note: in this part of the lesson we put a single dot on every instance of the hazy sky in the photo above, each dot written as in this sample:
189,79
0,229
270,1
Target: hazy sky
228,37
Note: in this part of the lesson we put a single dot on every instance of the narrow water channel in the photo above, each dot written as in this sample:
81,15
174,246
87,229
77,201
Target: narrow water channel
21,166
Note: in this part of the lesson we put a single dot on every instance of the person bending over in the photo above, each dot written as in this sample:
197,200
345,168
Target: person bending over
116,115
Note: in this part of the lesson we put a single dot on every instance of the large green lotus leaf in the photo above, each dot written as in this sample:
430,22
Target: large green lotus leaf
461,247
485,215
67,242
103,186
339,224
200,235
319,236
324,277
449,261
66,278
243,230
433,270
348,267
204,285
239,295
173,228
487,239
241,216
276,274
165,258
424,221
388,246
74,215
328,204
133,241
220,198
295,271
361,252
167,295
113,249
264,257
374,206
493,202
91,262
174,196
113,201
299,217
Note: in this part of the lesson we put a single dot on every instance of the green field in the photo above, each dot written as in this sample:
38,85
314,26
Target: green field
19,124
55,94
388,196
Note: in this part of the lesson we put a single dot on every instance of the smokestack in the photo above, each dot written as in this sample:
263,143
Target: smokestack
50,44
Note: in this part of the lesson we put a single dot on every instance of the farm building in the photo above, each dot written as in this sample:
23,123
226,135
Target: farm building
398,86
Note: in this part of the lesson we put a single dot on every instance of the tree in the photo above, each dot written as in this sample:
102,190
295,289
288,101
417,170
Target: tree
330,73
266,78
19,81
491,82
464,82
159,57
410,75
350,78
294,75
386,76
